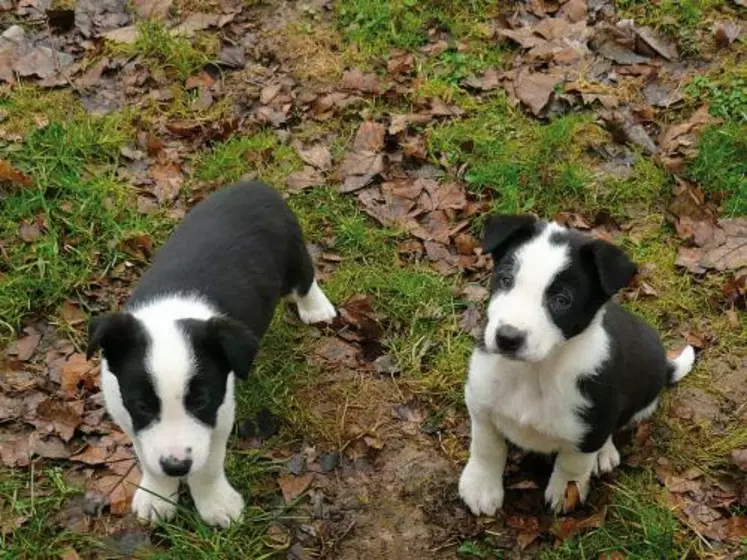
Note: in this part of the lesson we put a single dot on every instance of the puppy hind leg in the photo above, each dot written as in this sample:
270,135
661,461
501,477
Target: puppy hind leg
313,306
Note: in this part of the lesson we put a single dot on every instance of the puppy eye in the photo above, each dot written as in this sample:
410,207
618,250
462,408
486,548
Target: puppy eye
198,401
561,300
504,280
141,408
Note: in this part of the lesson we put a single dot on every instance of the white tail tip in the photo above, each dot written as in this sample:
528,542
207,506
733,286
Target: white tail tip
682,364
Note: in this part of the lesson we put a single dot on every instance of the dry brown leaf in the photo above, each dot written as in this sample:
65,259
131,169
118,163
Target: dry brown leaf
29,232
572,497
304,179
566,527
196,22
72,314
355,80
63,416
293,486
534,89
364,162
723,248
678,142
118,489
11,176
317,155
24,348
138,246
168,180
152,9
739,456
77,371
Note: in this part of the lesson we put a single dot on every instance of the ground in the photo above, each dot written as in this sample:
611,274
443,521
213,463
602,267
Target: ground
393,127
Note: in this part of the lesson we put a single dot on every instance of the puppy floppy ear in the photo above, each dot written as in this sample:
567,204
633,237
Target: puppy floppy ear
113,333
614,269
236,343
502,229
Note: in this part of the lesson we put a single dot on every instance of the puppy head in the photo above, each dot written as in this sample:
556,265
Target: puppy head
548,284
173,382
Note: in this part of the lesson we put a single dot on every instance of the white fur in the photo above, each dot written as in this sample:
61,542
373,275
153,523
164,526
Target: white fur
314,307
534,405
683,364
523,305
177,434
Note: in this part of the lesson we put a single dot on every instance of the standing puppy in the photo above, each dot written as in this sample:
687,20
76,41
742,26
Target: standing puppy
193,325
563,367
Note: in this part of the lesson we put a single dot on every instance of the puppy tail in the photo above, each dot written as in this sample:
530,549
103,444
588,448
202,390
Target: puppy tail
681,365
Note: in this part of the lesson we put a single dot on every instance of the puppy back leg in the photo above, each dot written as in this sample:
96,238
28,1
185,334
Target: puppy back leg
313,306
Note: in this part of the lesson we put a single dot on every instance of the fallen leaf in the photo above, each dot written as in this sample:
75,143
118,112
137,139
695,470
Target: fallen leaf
739,456
118,490
168,180
138,246
93,17
470,321
63,417
364,162
534,89
152,9
566,527
293,486
77,371
678,142
305,178
355,80
572,497
203,79
124,35
72,314
726,32
195,22
10,175
317,156
24,348
725,249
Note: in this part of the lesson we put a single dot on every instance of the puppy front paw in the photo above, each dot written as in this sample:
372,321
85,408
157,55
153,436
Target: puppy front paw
555,493
150,507
481,489
607,459
218,504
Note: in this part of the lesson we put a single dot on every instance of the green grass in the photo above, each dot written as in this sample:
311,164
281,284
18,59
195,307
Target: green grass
83,213
175,54
721,165
680,19
526,165
638,525
377,27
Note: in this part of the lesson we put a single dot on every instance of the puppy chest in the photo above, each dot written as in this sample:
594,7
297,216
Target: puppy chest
536,418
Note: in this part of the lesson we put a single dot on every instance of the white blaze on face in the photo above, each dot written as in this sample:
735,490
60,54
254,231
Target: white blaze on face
176,434
523,306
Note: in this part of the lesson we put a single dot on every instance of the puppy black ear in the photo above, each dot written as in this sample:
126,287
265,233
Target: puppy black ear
500,230
112,333
237,344
614,269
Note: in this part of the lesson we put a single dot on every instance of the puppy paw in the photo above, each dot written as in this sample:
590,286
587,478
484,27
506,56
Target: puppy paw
607,459
322,312
555,493
149,507
314,307
219,504
481,489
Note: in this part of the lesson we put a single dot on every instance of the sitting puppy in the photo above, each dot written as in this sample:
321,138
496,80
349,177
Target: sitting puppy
193,325
563,367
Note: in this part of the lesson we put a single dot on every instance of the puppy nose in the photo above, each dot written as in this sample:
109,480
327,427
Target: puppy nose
175,467
509,339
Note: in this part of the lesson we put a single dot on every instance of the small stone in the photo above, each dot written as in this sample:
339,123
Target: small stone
246,429
329,461
297,465
385,365
268,424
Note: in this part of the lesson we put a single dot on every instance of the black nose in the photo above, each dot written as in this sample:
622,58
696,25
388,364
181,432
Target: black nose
175,467
509,339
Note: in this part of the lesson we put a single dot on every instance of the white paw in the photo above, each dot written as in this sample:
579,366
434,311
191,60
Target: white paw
607,459
321,313
481,489
149,507
218,504
556,490
314,307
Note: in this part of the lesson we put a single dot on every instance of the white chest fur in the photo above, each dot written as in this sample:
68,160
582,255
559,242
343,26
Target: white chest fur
536,405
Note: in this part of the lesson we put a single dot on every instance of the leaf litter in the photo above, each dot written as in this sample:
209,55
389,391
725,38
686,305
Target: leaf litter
568,56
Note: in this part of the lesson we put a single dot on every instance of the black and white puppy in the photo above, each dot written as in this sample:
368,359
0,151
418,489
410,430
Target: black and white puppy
562,367
193,325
